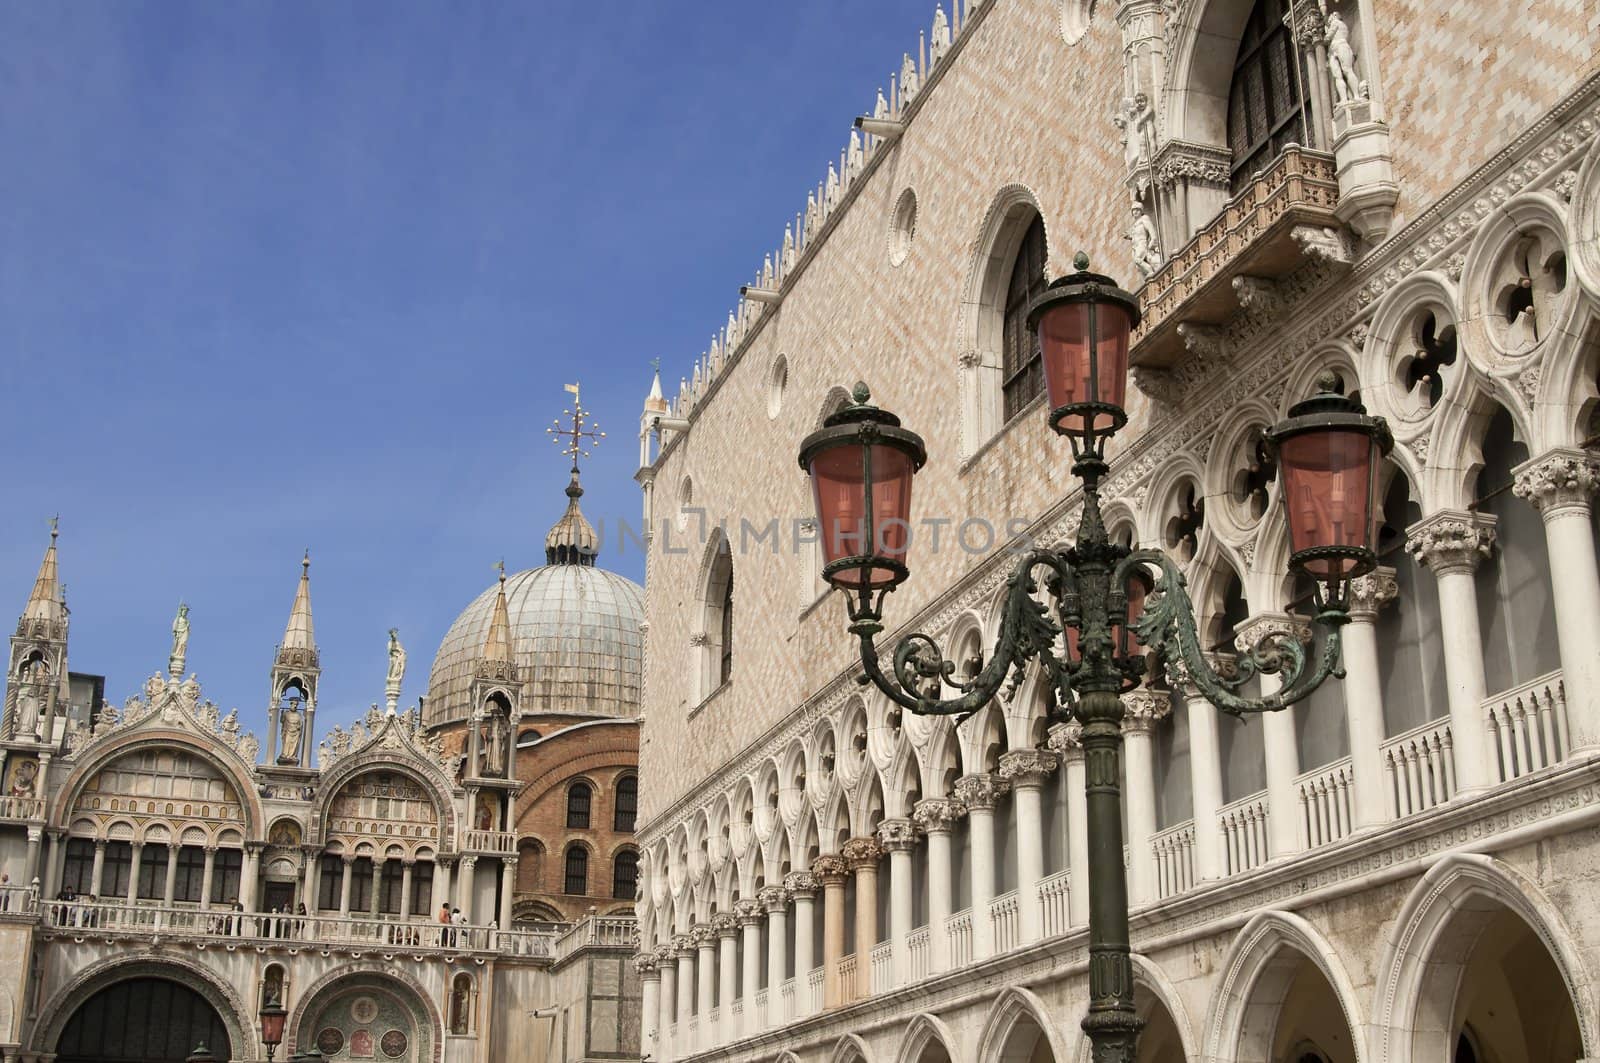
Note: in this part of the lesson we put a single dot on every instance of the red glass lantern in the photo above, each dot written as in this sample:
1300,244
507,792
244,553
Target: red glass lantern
1138,588
861,463
272,1015
1083,322
1329,452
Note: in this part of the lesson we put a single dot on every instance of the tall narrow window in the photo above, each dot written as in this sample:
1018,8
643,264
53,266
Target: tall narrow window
1265,108
78,874
390,882
225,871
625,875
1022,367
118,869
579,798
577,883
725,665
191,874
330,883
153,873
627,803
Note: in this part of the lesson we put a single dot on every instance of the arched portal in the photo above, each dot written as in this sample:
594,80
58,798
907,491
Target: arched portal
377,1016
143,1020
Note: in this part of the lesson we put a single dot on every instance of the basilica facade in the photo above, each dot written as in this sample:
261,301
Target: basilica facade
447,882
1405,196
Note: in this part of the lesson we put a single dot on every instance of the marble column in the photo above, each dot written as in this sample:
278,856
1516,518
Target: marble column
667,965
208,876
831,871
726,926
802,886
1363,697
442,882
649,1005
1026,771
1066,739
935,815
1278,737
58,864
862,856
683,948
1452,543
1142,708
133,876
312,857
749,914
978,793
508,888
170,885
30,868
1561,484
96,879
775,900
467,887
252,875
346,862
705,972
898,837
1205,768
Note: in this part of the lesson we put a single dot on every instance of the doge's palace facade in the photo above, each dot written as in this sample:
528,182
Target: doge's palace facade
1400,869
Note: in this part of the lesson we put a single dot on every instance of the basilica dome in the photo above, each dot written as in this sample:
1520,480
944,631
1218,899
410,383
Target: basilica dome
576,633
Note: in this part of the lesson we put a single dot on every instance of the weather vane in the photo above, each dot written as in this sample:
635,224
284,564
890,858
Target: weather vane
583,433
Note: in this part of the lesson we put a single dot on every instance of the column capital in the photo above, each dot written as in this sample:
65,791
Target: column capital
1067,740
861,852
1028,767
703,935
683,946
800,884
1558,481
1451,540
1259,627
254,848
1369,593
748,912
1141,709
772,898
648,964
209,850
1179,678
980,791
347,859
100,844
468,863
936,814
897,835
663,955
830,869
1306,25
726,924
408,861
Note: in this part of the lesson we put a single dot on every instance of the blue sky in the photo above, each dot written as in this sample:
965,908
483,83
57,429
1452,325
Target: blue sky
294,274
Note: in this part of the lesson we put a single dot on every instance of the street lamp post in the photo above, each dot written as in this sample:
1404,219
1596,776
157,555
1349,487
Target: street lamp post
1106,596
272,1015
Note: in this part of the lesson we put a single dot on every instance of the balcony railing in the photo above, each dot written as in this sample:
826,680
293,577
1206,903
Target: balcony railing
596,931
958,928
882,967
21,808
1325,808
1419,769
919,953
814,982
501,842
847,979
1528,727
1054,902
788,995
1003,917
390,935
1244,832
1174,860
1252,236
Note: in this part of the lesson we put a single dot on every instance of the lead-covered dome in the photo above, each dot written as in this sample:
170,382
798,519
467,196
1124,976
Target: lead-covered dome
576,633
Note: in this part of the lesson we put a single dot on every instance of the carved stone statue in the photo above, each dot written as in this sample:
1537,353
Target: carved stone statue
291,721
941,35
492,746
1146,244
180,641
30,700
397,659
1347,84
1125,118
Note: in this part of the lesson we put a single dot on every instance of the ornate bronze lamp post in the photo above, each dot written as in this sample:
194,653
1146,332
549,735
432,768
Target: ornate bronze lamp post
861,464
272,1016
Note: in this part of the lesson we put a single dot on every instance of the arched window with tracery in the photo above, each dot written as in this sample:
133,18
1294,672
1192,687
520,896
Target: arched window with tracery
1266,108
714,640
579,800
625,875
1021,365
577,876
627,804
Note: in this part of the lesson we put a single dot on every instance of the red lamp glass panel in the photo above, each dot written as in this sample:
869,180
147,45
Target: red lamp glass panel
1076,371
838,482
1329,483
1136,591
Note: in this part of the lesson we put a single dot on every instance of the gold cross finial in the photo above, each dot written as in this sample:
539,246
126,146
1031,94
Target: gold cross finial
583,432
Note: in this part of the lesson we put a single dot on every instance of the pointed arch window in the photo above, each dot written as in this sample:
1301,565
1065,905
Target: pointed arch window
577,876
579,800
627,804
725,661
625,876
1022,365
1266,107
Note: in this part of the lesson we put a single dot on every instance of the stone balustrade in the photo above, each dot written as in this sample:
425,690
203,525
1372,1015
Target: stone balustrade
1419,769
1528,728
1325,809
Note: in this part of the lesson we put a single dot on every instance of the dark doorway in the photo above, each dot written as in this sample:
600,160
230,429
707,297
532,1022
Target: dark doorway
279,896
143,1020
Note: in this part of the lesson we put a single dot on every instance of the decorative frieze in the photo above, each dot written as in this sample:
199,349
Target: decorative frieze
1559,480
1451,540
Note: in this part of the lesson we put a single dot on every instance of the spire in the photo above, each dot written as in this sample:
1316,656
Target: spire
497,647
299,634
45,601
572,539
655,402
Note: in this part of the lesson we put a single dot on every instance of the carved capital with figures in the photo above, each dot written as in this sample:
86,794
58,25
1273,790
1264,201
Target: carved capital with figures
1558,481
1028,767
897,835
980,791
937,813
1141,709
861,852
1452,540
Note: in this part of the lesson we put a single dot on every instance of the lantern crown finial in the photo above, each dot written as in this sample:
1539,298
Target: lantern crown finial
1328,382
1080,262
861,393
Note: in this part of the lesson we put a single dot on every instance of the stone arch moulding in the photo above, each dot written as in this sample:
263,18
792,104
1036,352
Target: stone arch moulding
1153,980
58,1010
922,1031
429,778
1252,957
850,1049
983,305
334,982
1010,1007
1445,892
225,762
